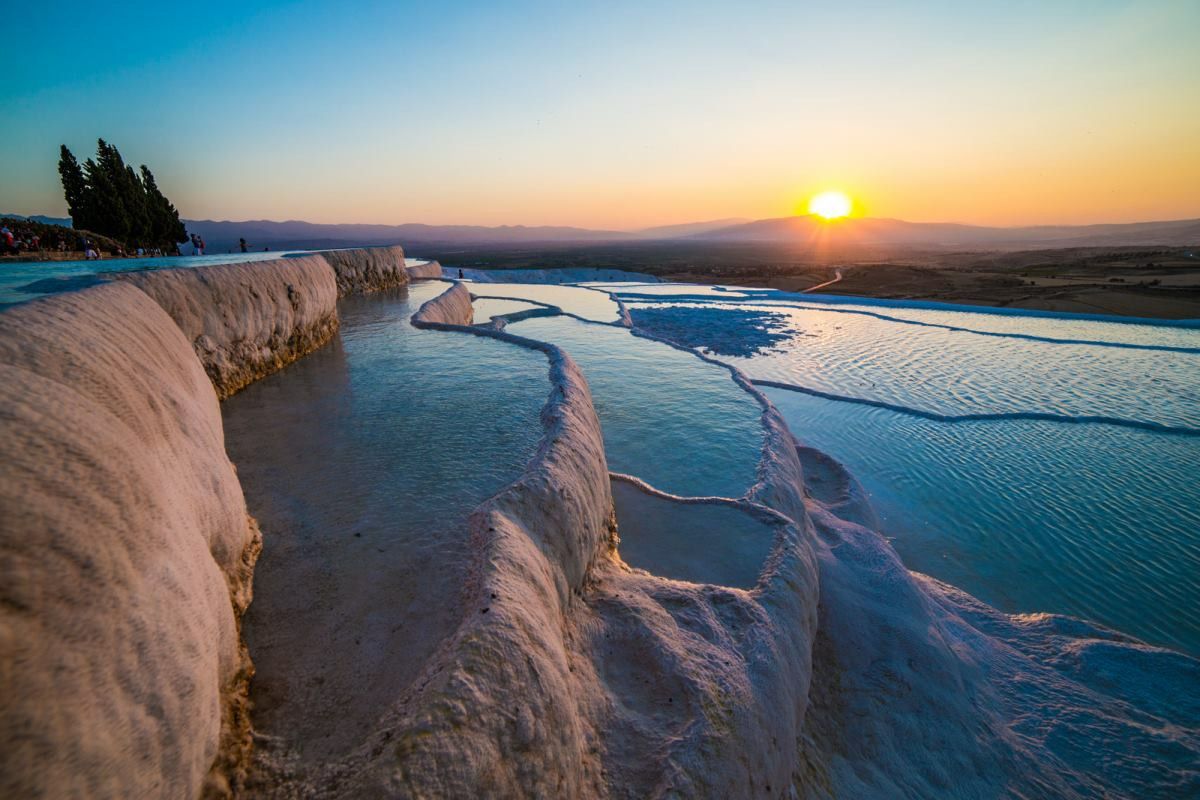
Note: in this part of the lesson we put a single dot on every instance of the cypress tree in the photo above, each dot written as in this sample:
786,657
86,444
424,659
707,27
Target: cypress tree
110,197
140,224
74,187
107,176
164,218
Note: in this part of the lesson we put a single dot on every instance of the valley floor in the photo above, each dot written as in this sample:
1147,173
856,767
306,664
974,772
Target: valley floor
1121,291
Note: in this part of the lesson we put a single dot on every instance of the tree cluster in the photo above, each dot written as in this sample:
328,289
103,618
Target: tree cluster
109,197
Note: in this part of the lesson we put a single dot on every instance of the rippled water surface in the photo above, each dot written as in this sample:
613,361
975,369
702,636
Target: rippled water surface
362,483
1028,460
688,289
1097,521
674,421
957,373
1111,330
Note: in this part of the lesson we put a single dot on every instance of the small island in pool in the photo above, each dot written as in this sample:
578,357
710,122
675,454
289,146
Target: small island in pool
409,535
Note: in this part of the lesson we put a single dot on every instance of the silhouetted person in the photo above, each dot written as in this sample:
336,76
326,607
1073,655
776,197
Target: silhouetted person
460,274
242,244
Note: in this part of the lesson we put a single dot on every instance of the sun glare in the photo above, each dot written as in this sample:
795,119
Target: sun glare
829,205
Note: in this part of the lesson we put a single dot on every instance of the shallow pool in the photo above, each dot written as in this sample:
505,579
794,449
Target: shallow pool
362,485
487,307
635,290
586,303
696,542
669,418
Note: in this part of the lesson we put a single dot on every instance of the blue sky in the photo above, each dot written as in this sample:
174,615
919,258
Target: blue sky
616,114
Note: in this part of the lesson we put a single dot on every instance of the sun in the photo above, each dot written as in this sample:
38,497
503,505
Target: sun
829,205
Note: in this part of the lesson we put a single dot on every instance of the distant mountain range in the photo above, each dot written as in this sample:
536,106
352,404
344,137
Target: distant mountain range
939,235
806,231
802,231
64,221
222,235
688,229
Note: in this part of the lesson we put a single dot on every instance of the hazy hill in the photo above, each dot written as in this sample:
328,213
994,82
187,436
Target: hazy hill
848,235
224,235
687,229
802,231
809,230
63,221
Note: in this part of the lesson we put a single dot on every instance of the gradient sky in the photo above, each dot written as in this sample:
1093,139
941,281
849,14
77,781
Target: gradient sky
615,114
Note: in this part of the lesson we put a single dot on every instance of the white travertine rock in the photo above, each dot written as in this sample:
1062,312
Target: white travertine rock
367,269
125,557
451,307
247,320
430,269
920,690
575,676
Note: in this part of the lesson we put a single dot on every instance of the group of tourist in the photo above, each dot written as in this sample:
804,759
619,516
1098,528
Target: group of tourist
18,239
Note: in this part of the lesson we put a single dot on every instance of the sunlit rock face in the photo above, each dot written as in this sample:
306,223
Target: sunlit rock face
125,556
452,307
367,269
247,320
430,269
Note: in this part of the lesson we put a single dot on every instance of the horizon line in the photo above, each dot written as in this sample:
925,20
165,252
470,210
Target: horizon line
733,221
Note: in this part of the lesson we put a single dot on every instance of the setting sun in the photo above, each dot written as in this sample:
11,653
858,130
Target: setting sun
829,205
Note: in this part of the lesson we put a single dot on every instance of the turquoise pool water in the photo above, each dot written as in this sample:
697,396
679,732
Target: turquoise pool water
20,281
1040,463
669,418
585,303
701,543
486,308
958,373
1100,522
362,483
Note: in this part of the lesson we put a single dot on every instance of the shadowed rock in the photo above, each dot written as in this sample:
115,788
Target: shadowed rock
125,557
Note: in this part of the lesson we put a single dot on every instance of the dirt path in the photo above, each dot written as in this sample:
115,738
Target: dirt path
837,277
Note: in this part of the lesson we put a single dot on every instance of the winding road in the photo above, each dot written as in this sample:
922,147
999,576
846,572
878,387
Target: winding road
837,277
